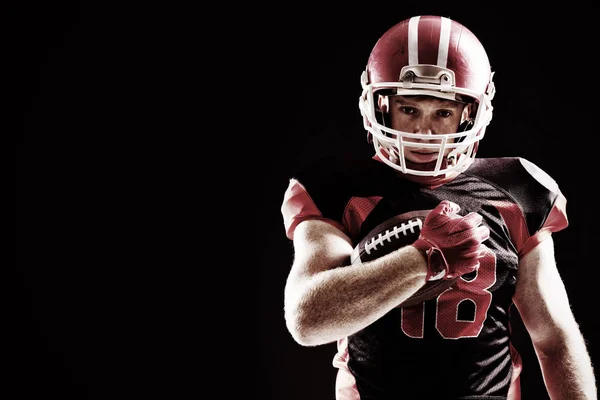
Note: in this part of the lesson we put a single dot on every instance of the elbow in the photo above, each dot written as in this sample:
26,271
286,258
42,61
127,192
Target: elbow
307,326
547,349
301,330
308,319
552,344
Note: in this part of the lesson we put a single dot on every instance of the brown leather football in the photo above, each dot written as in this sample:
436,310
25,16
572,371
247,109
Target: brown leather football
390,235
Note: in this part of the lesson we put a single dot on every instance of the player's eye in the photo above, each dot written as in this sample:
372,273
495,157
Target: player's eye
445,113
407,110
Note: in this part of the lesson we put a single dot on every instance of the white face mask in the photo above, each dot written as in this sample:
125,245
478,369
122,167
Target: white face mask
455,151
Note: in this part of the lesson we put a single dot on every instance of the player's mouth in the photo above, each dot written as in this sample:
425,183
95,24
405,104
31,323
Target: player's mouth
423,156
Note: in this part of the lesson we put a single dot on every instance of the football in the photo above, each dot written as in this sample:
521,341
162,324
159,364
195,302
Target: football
391,235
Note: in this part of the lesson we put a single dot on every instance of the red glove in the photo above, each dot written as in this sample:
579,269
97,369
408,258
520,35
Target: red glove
452,243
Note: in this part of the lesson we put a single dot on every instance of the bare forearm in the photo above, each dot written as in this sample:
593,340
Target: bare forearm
340,301
568,371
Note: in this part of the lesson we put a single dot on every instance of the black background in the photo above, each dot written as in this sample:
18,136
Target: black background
103,300
150,145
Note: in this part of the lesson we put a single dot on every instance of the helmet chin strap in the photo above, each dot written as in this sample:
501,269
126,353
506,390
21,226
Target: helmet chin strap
452,158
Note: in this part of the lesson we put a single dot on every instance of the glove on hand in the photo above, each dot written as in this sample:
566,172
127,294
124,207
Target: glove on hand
453,244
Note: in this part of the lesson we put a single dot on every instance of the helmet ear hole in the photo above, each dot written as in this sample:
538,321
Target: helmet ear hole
465,125
383,105
383,102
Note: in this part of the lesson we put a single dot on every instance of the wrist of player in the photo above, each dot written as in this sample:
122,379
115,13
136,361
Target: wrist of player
448,263
437,266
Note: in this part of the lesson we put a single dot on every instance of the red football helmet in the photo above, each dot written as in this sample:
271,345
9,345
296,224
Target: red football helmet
435,56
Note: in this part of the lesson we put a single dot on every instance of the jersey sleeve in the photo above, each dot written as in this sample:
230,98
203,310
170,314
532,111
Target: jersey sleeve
330,189
299,206
538,208
556,218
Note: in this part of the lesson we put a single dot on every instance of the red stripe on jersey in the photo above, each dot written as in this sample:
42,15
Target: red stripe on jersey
517,227
557,219
356,212
515,222
429,28
298,206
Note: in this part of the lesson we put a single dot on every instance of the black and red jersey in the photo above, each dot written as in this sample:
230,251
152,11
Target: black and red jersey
458,345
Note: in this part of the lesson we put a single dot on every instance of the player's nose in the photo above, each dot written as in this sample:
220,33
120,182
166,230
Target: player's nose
423,126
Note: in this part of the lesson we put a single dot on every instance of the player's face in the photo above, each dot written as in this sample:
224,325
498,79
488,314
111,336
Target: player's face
425,115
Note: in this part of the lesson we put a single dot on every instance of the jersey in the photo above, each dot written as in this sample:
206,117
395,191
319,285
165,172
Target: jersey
457,345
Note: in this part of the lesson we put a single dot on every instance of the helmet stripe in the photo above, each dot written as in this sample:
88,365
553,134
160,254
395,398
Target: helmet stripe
413,41
444,45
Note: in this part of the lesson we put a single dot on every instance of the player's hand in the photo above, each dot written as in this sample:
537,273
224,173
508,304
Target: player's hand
453,244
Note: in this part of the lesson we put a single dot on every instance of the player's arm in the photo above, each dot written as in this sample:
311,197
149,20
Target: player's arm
326,299
542,301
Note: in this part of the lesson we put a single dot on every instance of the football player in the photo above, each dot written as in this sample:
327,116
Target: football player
426,101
